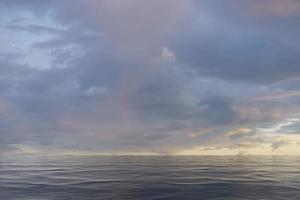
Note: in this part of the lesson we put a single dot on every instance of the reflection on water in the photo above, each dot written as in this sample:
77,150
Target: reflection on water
150,177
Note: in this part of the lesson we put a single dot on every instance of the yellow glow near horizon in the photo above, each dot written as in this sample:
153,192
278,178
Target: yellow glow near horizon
288,145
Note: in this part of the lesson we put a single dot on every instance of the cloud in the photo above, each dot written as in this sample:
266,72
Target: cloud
35,29
279,95
280,127
218,110
167,55
160,76
275,8
232,46
239,133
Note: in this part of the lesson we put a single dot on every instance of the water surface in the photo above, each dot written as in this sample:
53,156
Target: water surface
150,177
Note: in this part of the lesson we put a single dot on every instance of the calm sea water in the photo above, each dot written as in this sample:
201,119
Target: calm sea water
150,177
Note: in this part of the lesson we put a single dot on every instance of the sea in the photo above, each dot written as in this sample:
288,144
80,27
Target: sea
149,177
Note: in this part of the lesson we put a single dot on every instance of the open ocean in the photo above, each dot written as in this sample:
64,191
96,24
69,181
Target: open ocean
150,177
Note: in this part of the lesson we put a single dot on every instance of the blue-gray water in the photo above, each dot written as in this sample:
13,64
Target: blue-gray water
150,177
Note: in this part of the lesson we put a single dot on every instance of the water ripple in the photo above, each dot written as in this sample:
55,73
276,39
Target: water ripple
150,177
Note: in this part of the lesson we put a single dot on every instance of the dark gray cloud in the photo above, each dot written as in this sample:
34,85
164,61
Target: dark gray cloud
245,40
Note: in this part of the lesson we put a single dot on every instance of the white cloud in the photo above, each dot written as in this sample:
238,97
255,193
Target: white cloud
238,132
96,91
279,127
167,55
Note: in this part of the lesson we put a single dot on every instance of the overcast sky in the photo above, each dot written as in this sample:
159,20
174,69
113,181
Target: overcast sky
150,76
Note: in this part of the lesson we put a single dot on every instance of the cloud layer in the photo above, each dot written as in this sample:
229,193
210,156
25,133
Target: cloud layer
119,76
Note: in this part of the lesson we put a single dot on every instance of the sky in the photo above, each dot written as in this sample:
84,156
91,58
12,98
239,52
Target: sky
192,77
